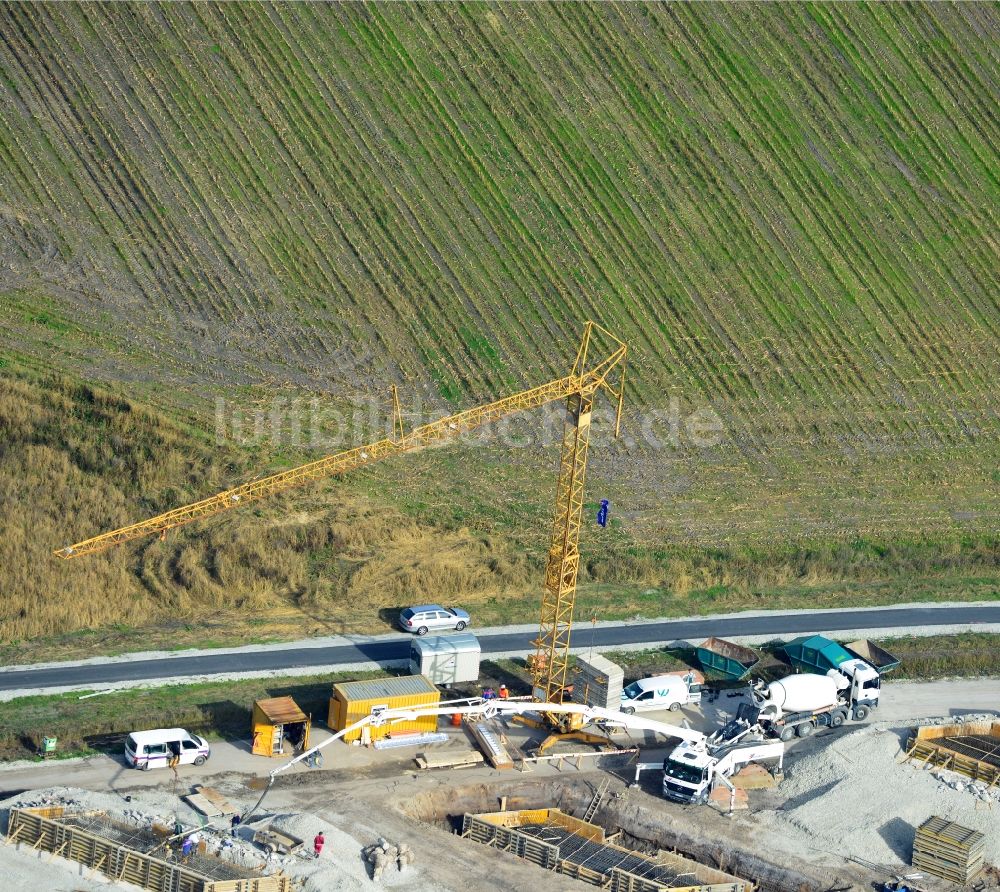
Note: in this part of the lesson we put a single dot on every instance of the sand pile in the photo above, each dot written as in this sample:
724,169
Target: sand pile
854,797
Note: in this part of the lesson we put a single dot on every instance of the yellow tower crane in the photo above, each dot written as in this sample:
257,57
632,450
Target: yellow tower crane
579,388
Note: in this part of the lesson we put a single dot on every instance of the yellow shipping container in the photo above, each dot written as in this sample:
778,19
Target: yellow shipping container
274,721
353,700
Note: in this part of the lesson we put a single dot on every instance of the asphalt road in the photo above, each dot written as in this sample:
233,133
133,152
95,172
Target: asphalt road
85,676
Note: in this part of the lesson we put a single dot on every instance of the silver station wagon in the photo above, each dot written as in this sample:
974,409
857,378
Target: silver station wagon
430,617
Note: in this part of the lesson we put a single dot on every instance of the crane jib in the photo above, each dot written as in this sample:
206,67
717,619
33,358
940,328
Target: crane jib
580,380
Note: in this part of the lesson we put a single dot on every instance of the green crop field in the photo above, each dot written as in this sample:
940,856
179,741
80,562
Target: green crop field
788,211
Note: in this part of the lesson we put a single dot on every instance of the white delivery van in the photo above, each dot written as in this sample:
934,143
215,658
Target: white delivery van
659,692
157,749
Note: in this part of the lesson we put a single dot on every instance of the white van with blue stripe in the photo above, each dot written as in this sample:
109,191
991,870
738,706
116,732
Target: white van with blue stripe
660,692
165,747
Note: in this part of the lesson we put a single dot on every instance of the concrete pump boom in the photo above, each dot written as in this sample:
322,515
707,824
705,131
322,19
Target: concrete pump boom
491,709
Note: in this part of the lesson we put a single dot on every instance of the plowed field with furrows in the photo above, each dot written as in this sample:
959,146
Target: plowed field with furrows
789,212
788,208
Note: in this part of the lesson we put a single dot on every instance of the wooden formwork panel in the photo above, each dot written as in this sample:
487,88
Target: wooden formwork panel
476,828
575,825
578,871
622,881
929,732
536,851
932,744
503,830
946,857
514,818
629,882
509,840
106,857
928,752
941,832
489,834
255,884
542,816
948,850
706,877
947,870
529,815
52,811
33,827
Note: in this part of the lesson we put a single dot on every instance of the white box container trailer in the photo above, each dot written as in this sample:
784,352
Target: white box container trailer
446,659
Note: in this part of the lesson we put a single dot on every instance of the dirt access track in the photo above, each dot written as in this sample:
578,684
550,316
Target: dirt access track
848,785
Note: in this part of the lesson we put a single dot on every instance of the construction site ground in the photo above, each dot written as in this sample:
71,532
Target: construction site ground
843,816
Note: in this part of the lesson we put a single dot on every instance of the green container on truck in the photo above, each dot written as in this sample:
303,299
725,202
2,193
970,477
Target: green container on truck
858,678
814,653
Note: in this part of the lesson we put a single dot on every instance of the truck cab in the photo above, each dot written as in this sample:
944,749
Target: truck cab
861,686
686,775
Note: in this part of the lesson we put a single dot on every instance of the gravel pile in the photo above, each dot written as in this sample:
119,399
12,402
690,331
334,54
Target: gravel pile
342,867
139,810
855,798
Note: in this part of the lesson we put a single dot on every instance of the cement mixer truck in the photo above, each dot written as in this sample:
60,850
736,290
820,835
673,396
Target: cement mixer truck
799,704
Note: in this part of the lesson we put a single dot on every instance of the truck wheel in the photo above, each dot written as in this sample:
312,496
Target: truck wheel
675,706
200,760
422,630
805,729
787,733
837,719
628,710
861,712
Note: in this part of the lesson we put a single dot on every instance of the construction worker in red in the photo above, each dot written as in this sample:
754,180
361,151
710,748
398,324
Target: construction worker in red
318,843
503,692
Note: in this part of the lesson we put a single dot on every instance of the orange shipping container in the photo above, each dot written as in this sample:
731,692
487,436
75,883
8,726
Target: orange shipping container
275,721
353,700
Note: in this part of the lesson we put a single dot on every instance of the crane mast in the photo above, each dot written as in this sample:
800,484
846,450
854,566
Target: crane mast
579,389
552,645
